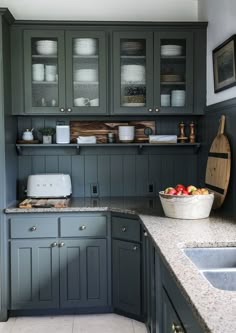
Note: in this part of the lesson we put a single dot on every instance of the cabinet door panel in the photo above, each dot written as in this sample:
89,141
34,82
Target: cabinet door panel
173,72
83,273
86,64
126,277
170,318
34,274
133,72
44,71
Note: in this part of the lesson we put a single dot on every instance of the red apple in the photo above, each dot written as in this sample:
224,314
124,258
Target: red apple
180,187
170,190
179,192
191,188
185,192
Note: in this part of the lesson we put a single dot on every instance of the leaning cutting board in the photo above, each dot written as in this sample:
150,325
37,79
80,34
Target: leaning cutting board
218,166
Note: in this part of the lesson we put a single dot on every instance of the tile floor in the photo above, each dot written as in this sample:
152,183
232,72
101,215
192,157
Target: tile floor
101,323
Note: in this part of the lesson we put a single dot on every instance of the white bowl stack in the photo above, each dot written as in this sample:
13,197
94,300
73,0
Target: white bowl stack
86,75
171,50
46,47
178,98
165,99
133,73
84,46
38,72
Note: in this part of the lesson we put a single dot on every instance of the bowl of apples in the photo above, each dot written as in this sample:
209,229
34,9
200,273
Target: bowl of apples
186,202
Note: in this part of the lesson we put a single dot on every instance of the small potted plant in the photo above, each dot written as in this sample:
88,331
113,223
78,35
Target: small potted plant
47,133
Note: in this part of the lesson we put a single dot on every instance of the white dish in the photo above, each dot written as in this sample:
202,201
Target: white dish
85,46
133,104
86,75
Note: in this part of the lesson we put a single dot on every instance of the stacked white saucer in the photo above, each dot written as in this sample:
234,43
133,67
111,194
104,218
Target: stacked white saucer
86,75
84,46
165,99
133,73
38,72
46,47
171,50
177,97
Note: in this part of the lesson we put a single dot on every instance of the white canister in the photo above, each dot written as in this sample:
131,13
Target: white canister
27,135
126,133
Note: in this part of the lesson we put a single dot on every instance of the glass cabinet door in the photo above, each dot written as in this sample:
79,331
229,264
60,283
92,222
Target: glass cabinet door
44,71
133,78
173,72
86,72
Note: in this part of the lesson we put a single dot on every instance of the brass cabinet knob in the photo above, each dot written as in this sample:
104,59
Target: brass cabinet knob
33,228
54,244
177,328
123,229
62,110
61,244
69,109
150,110
83,227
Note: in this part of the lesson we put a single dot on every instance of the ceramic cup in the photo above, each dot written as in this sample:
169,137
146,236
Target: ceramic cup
81,101
126,133
94,102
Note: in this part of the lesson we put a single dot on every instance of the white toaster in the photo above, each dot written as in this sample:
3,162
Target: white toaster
52,185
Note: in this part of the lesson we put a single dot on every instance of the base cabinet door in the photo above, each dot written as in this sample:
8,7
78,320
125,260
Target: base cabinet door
34,274
171,321
126,277
83,273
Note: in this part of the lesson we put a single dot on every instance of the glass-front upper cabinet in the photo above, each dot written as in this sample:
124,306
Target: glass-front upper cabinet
86,73
173,72
133,75
44,71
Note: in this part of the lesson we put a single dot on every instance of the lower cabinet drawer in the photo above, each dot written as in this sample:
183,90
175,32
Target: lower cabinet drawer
126,229
84,226
33,227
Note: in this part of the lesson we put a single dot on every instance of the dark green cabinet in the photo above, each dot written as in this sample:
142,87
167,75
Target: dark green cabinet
126,277
83,273
65,72
34,274
153,72
171,321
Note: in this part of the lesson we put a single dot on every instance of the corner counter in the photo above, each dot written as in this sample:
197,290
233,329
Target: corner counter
214,309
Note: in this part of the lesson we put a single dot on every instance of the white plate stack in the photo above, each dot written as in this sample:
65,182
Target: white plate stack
133,73
86,75
84,46
38,72
50,73
46,47
177,97
165,99
171,50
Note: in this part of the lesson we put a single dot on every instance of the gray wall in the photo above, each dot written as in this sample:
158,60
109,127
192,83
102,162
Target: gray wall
117,171
209,125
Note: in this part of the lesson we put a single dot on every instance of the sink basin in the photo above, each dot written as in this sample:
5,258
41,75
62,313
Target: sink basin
217,265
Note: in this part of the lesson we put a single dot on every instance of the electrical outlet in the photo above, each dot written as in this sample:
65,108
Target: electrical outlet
94,190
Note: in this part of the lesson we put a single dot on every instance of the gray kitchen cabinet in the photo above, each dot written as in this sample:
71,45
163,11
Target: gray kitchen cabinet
155,73
34,274
48,271
126,271
171,321
64,72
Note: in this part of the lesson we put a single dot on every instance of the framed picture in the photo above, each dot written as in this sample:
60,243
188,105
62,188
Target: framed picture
224,64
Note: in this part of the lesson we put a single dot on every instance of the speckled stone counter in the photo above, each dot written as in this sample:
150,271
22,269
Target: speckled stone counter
215,309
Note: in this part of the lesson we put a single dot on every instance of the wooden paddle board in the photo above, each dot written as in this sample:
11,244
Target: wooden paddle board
218,166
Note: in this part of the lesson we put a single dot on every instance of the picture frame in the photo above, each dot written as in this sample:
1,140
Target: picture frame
224,65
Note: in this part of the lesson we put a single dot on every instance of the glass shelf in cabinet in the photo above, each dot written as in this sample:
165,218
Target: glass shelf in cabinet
45,82
86,83
41,56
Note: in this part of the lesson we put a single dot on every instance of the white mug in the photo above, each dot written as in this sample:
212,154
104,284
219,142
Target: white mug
81,101
94,102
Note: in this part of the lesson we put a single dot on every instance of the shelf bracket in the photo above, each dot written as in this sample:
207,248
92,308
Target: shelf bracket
197,147
140,147
78,150
19,150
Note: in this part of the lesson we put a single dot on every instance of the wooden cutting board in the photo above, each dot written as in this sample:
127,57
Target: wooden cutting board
101,129
218,166
44,203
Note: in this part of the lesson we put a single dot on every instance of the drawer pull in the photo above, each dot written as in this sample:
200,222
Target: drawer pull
145,234
135,248
61,244
54,244
177,328
33,228
124,229
83,227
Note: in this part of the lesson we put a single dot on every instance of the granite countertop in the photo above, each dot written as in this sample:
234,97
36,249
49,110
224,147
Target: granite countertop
215,309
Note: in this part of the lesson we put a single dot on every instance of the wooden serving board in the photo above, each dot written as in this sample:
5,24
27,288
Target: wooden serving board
44,203
101,129
27,141
218,166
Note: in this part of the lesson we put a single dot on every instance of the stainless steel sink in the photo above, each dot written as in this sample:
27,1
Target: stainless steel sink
217,265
